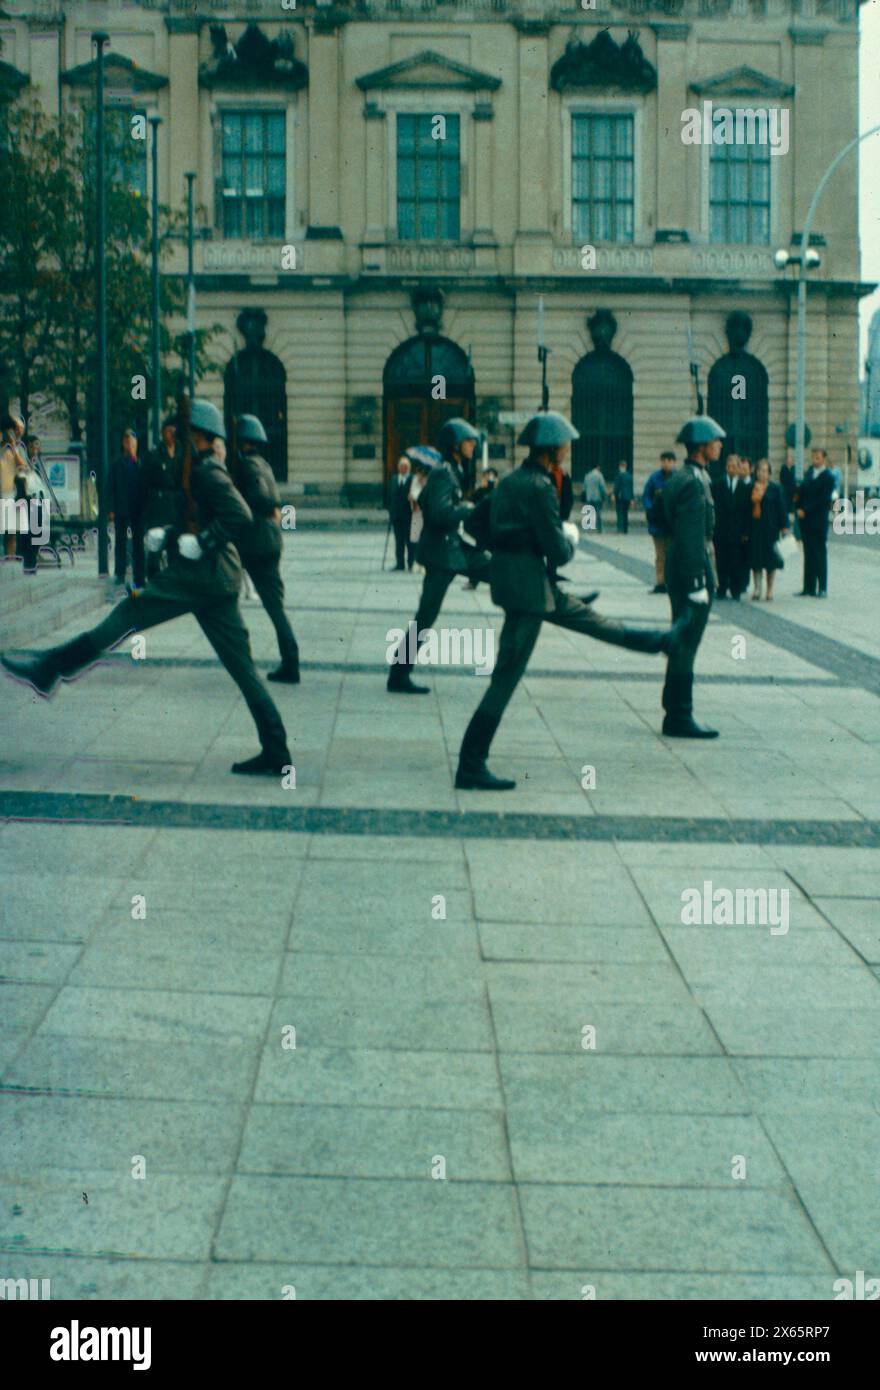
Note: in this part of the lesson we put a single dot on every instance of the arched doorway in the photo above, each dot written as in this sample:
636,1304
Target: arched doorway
255,383
412,415
738,390
602,404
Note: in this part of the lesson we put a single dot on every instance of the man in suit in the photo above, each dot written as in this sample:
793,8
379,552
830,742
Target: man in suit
127,511
440,550
623,496
730,497
814,501
687,507
202,577
400,515
529,542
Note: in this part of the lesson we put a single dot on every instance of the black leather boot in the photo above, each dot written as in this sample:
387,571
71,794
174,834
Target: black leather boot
473,774
678,703
43,671
270,762
287,673
400,682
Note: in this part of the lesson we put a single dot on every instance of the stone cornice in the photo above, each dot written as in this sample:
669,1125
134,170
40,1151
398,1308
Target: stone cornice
451,74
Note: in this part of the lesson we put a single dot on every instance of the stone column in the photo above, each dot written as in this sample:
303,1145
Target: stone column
183,110
671,157
532,246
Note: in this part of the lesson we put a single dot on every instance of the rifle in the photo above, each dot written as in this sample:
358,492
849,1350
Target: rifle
184,415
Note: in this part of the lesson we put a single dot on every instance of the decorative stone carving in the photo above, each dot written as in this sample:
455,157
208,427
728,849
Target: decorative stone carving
603,63
427,303
254,61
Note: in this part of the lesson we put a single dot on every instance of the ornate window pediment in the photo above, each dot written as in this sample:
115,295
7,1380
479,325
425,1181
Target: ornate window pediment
743,82
603,63
254,61
427,70
118,72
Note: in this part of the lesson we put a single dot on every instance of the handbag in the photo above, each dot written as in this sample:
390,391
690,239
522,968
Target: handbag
785,549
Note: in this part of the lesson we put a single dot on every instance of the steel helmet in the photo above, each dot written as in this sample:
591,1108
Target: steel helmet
452,432
206,417
423,456
251,429
700,429
547,430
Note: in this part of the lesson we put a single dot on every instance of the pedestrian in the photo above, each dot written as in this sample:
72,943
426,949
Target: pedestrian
127,511
788,483
260,545
814,500
654,517
623,496
730,497
29,492
769,521
161,481
400,514
12,456
687,506
440,550
529,543
595,494
202,577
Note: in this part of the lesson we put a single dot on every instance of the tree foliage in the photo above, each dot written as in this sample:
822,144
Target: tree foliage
48,250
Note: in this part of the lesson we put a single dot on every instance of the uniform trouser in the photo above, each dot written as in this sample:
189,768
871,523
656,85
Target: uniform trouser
661,545
221,622
137,549
729,562
434,589
520,633
404,548
265,571
623,518
678,689
815,563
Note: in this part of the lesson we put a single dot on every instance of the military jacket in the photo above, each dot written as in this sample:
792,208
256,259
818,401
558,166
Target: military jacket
256,483
528,542
689,515
222,517
443,509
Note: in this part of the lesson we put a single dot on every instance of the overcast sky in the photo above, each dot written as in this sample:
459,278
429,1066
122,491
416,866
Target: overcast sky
869,170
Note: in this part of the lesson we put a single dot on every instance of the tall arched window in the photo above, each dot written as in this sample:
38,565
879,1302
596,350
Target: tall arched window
738,394
602,404
412,415
255,383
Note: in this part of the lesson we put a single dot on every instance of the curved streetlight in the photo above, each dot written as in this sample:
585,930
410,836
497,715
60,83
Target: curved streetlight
806,261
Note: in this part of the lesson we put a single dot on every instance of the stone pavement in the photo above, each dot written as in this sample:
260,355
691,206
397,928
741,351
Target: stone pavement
501,988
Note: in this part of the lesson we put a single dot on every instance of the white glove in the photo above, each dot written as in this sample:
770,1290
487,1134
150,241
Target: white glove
701,596
155,538
189,547
571,533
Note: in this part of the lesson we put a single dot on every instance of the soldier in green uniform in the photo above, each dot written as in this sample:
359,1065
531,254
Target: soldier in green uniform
160,479
440,550
260,545
202,577
689,515
529,543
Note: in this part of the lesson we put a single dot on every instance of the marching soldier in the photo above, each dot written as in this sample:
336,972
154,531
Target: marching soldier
203,577
529,543
440,549
686,505
260,545
161,482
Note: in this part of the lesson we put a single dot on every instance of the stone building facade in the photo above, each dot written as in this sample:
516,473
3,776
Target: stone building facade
392,187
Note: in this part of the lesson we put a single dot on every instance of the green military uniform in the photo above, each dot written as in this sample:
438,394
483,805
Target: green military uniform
440,551
528,546
160,477
689,515
260,547
207,587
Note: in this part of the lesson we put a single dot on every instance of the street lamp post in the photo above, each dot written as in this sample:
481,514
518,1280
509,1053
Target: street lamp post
155,122
190,286
807,260
100,39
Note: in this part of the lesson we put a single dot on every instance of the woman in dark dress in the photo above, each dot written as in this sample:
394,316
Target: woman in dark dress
769,521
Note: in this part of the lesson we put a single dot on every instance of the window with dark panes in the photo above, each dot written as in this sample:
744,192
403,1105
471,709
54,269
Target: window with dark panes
602,177
428,179
253,174
739,194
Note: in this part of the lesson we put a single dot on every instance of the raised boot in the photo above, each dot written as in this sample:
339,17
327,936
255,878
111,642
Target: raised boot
287,673
43,671
473,774
270,762
400,682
